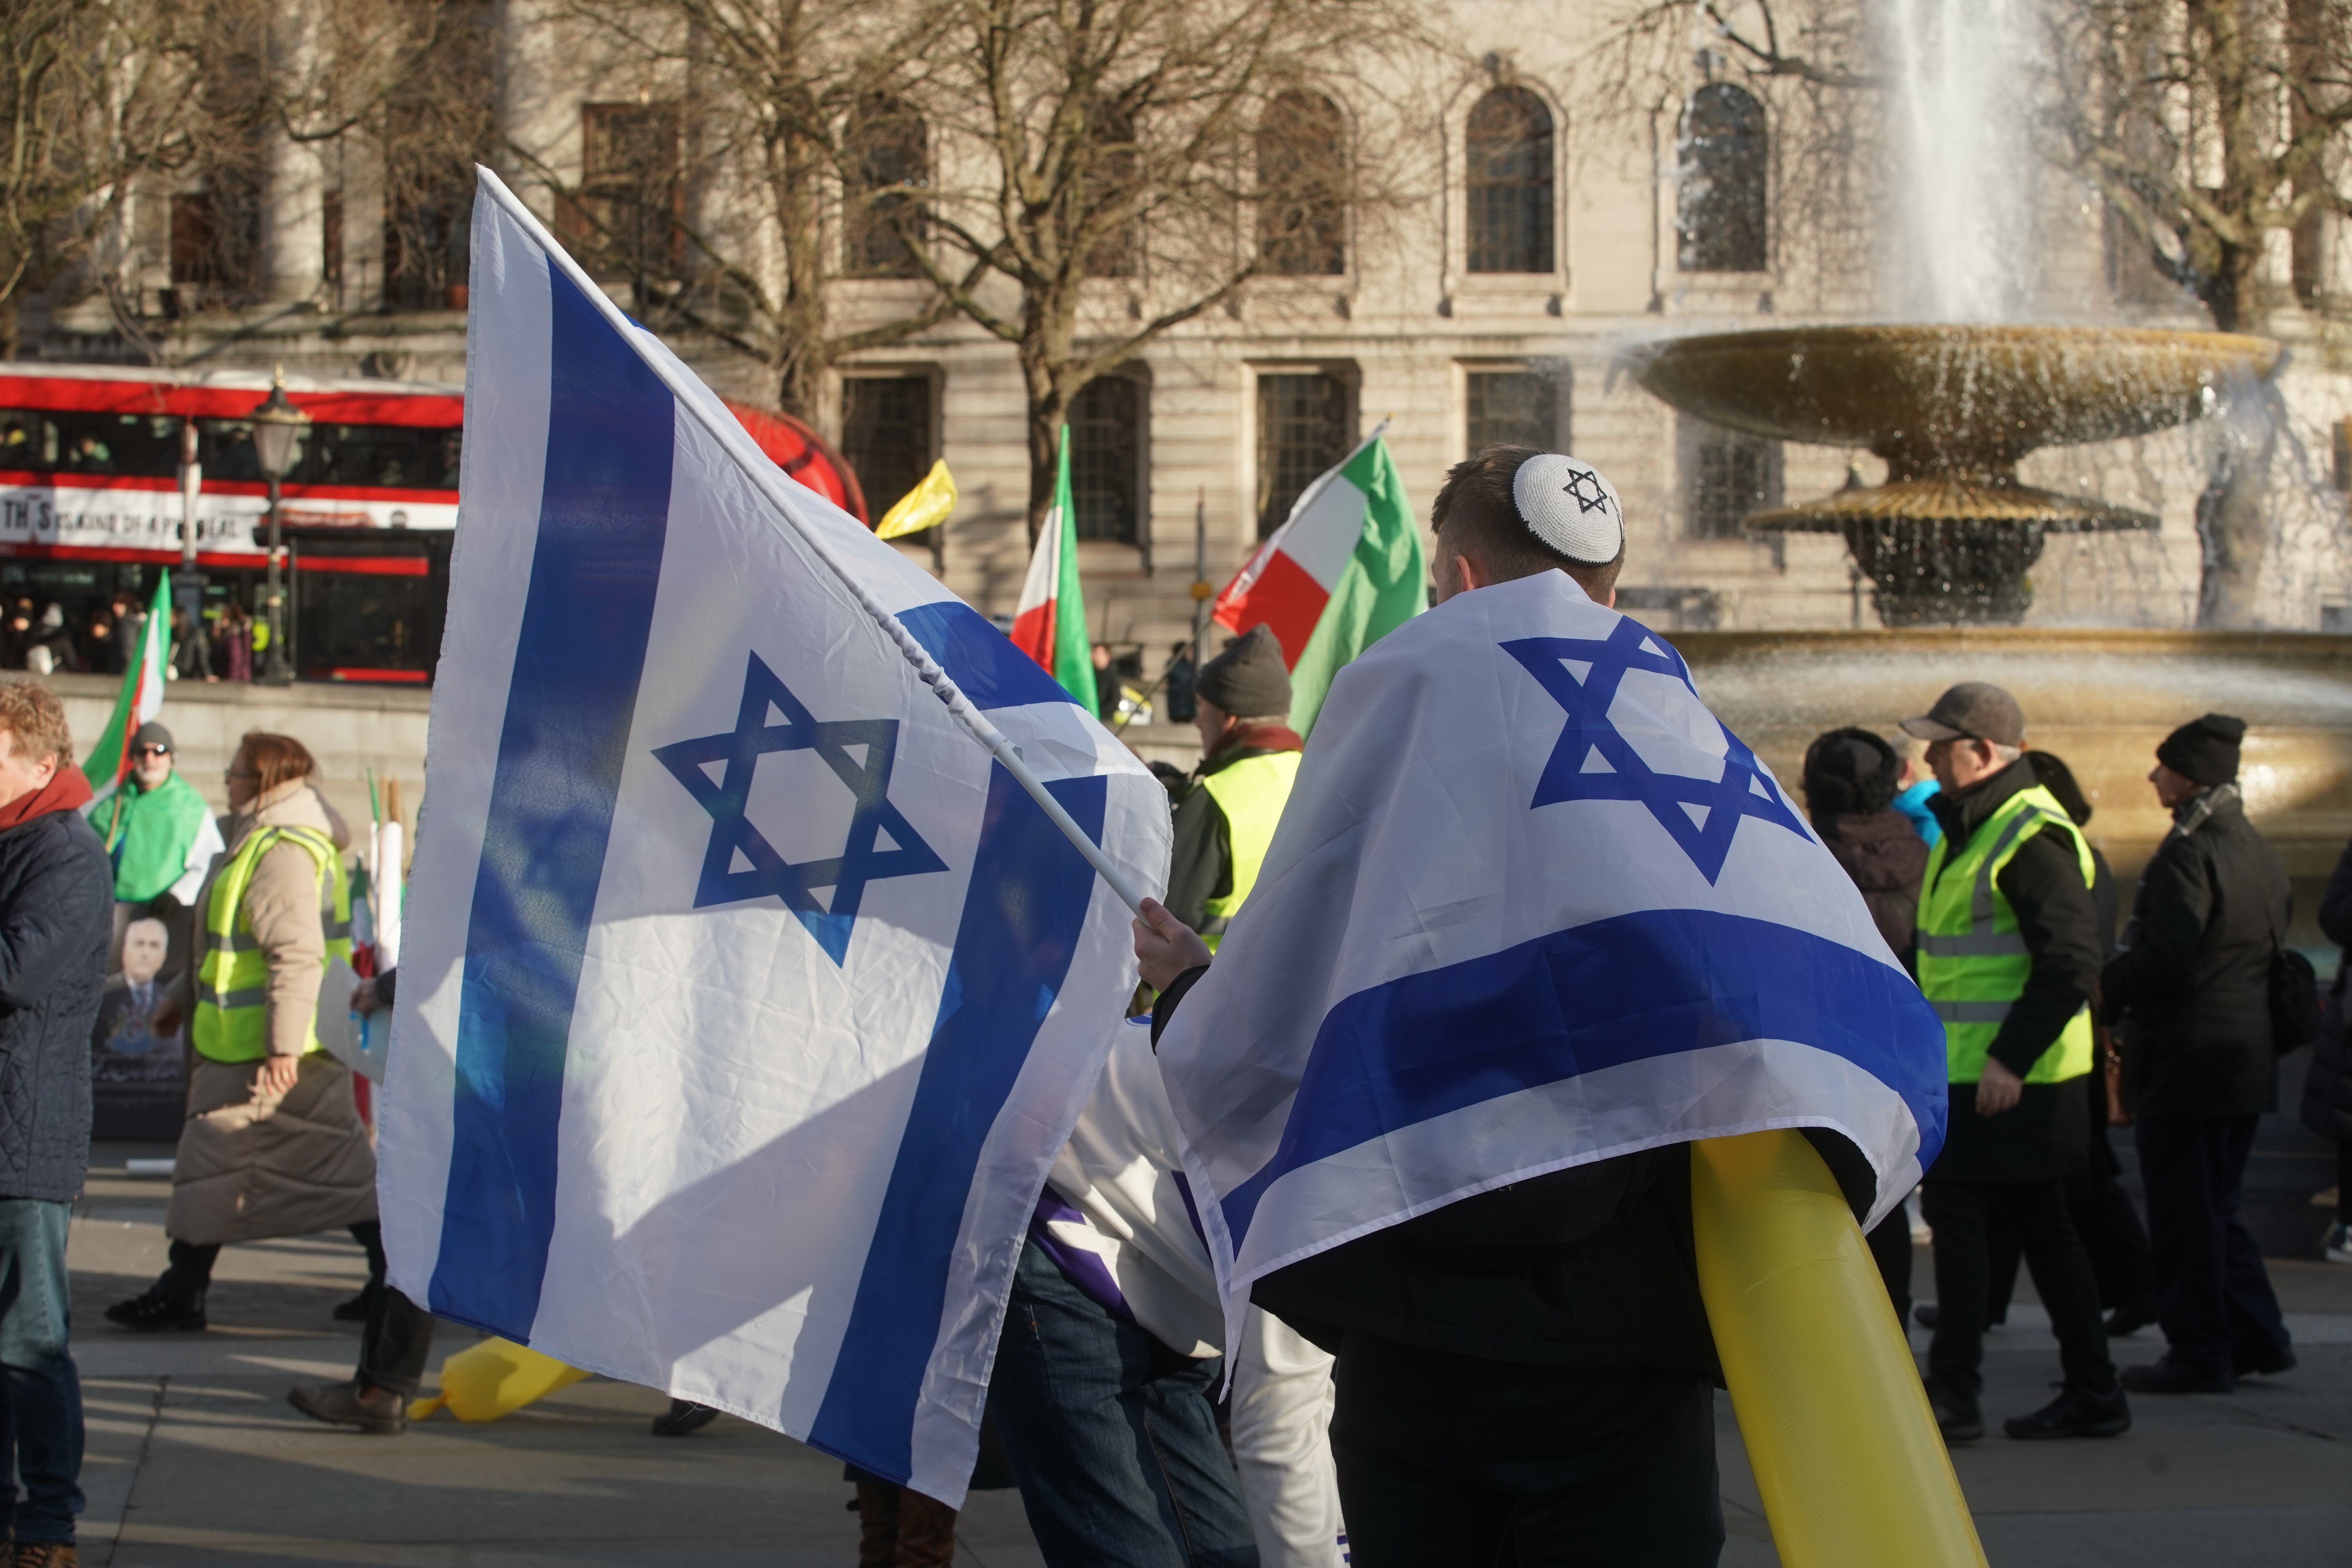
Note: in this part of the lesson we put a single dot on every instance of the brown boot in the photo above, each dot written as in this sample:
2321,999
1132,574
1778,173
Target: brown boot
926,1531
353,1403
877,1525
37,1554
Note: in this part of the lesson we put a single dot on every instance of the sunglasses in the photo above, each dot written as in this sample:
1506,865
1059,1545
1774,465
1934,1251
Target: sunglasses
154,750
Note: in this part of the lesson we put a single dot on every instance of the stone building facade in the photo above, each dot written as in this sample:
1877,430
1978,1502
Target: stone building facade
1534,242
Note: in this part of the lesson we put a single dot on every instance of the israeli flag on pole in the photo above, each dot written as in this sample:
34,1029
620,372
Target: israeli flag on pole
1530,905
747,994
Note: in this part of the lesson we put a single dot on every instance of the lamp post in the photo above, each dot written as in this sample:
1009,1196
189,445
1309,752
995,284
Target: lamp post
277,428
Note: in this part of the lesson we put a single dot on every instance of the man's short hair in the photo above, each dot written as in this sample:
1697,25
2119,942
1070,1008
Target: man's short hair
35,722
1476,512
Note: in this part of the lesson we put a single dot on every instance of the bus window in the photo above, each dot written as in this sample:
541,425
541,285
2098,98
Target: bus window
58,441
384,457
224,447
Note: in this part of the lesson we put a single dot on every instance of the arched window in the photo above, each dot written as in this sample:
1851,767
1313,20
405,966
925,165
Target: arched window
888,159
1302,173
1725,164
1509,182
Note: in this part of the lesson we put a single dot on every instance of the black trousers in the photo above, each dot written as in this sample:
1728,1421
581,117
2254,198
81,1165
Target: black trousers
1890,1248
188,1271
2105,1218
395,1344
1450,1461
2213,1296
1962,1214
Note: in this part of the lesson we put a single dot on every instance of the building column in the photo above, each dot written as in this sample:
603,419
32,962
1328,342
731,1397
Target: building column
293,212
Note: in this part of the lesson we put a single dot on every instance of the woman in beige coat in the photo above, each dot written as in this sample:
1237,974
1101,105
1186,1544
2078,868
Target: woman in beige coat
273,1144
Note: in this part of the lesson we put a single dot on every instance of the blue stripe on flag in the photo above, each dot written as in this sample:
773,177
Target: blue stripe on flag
1632,988
604,513
1021,918
980,659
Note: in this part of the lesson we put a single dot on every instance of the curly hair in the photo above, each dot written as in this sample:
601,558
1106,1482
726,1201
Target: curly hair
1848,773
35,722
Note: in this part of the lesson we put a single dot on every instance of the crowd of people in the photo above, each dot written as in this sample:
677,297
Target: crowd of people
45,641
1515,1371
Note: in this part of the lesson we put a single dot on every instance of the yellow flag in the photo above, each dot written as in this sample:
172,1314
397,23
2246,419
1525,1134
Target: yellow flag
925,506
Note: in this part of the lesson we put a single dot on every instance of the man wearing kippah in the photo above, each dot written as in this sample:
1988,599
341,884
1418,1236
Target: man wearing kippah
2007,950
1249,759
1526,1373
2192,988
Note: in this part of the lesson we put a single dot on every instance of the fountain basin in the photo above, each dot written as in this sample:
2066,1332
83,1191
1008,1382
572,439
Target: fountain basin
1952,400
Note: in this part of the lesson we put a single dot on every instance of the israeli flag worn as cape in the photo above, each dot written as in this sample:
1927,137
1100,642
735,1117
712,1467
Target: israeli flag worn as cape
747,998
1530,905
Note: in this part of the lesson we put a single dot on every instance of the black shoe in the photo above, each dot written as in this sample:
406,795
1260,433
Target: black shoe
1957,1416
2270,1365
2167,1376
357,1309
159,1310
2075,1414
379,1411
683,1415
2131,1318
1925,1314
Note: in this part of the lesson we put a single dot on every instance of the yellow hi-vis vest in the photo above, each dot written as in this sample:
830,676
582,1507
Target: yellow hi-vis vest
1252,794
1972,962
232,984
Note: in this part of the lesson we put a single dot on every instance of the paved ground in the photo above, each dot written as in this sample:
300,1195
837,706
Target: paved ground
195,1460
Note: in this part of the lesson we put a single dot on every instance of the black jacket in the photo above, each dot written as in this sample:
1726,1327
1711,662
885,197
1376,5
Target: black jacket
1200,860
57,916
2041,1137
2192,985
2327,1088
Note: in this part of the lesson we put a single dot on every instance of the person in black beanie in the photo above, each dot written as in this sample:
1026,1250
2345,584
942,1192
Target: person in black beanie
1249,757
2192,988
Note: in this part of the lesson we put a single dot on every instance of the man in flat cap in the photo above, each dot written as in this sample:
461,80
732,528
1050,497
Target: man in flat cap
2008,951
2192,988
1249,759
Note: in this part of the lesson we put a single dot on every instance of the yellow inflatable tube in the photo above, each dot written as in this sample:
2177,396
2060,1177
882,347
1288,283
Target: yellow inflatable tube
1846,1449
494,1378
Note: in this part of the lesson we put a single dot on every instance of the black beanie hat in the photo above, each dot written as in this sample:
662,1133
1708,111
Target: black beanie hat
2204,751
1247,680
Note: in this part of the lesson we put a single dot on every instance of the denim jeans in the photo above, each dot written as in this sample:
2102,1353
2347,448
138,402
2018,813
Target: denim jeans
1112,1436
40,1393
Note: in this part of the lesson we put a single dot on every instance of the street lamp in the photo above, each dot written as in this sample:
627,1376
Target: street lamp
277,428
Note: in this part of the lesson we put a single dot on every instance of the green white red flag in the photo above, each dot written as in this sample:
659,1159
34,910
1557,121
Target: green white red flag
1050,626
1343,572
140,699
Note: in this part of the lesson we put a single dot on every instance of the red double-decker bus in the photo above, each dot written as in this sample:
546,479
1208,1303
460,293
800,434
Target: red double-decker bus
91,504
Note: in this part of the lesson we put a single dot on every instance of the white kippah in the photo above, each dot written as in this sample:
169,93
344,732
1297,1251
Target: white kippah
1570,506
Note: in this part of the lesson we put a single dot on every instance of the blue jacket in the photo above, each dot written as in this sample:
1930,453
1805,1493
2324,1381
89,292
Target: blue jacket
57,917
1913,804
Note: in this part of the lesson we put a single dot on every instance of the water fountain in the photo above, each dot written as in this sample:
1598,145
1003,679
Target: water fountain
1947,539
1952,405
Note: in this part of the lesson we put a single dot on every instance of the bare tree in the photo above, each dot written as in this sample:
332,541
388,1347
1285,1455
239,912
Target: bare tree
737,225
90,101
1135,164
2210,127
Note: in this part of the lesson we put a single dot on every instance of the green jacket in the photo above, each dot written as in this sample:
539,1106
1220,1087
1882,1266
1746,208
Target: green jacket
152,836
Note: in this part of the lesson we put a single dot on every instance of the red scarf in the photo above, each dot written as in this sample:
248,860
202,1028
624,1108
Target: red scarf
1257,738
65,790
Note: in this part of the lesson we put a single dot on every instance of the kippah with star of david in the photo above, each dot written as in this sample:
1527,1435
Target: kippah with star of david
1570,506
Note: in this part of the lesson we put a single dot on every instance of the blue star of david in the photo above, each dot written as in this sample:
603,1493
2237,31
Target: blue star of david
1593,761
863,858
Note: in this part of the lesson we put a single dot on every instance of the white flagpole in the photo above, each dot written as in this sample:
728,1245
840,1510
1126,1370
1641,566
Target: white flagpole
765,474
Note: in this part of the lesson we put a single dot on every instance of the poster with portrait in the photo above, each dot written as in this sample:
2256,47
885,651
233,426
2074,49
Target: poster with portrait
137,1074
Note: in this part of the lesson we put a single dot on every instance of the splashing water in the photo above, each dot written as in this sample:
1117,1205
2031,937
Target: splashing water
1964,186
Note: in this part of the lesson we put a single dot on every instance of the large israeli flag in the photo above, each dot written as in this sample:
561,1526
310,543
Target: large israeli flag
746,995
1530,905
